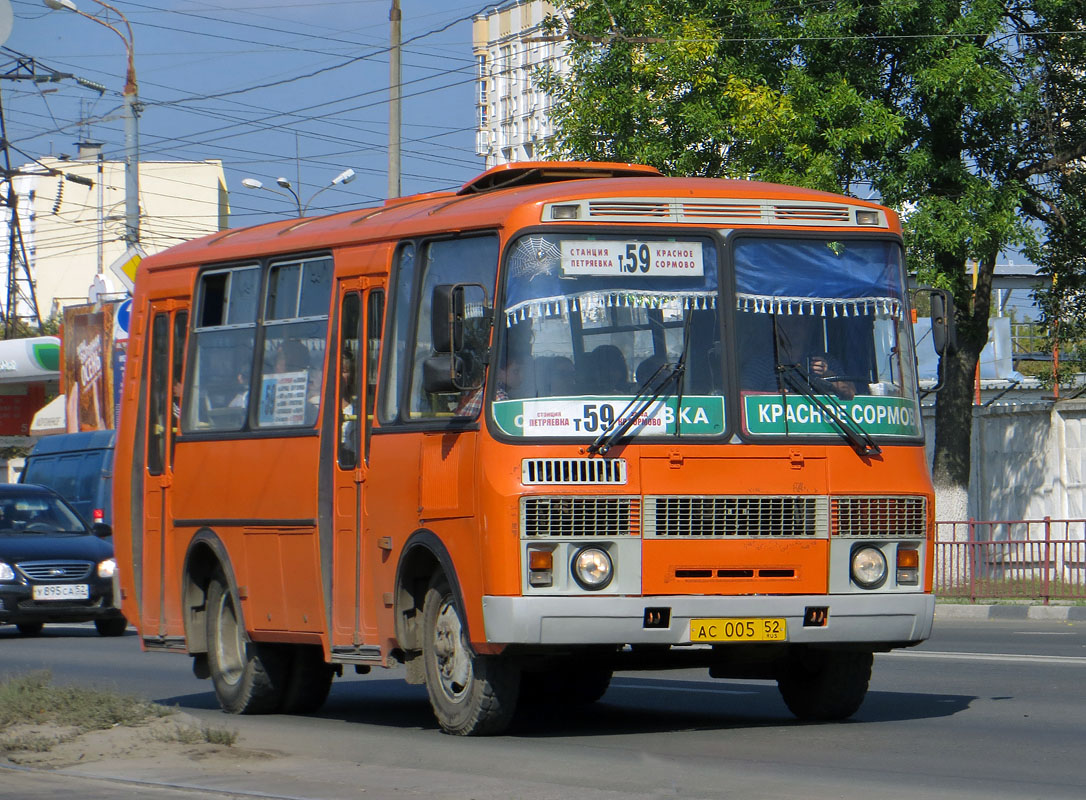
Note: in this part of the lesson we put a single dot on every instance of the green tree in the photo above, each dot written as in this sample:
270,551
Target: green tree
942,109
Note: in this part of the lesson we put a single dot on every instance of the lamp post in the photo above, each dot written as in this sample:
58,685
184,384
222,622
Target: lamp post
344,177
131,116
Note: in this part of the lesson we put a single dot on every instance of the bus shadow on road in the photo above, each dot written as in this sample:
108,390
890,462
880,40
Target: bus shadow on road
630,706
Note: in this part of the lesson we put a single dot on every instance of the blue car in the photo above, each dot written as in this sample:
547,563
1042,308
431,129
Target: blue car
54,566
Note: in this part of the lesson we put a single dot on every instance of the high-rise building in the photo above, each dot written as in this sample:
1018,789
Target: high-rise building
510,49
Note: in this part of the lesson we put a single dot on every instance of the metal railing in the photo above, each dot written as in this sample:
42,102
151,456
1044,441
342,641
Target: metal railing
1038,559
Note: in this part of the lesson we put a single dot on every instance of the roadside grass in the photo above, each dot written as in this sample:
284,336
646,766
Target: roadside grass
36,716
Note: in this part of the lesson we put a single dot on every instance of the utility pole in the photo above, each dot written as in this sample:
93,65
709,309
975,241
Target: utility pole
394,114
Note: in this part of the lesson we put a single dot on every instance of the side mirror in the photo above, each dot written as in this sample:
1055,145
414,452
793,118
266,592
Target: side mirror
447,317
447,373
942,322
102,530
943,335
454,306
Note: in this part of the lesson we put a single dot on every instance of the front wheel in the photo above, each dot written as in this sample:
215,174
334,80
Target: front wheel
29,628
471,695
249,677
825,685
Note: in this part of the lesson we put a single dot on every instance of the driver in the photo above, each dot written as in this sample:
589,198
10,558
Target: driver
823,379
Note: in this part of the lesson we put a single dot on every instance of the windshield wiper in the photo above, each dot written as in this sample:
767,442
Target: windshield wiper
801,383
618,427
625,420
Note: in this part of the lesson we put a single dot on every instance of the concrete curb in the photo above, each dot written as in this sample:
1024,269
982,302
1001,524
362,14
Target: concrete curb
980,612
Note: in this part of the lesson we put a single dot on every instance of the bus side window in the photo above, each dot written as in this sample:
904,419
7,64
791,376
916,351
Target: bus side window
349,368
295,338
223,338
159,402
403,283
468,260
375,321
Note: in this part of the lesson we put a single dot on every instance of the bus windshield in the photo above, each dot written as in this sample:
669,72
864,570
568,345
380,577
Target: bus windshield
594,328
821,329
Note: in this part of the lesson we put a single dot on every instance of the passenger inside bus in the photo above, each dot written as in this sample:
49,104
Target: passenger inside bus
606,370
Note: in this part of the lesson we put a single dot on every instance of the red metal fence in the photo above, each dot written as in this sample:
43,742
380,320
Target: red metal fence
1028,559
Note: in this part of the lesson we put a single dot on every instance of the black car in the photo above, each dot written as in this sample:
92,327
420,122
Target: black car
54,567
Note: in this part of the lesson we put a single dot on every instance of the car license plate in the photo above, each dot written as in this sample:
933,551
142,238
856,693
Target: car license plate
739,629
62,591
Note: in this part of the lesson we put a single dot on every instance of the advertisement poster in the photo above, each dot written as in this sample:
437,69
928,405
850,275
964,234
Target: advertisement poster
88,367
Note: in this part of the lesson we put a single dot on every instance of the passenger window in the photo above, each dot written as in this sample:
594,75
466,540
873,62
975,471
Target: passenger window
295,339
350,366
375,322
473,260
400,323
224,336
158,418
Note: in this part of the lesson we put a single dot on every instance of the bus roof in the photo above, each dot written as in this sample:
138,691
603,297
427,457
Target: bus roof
513,195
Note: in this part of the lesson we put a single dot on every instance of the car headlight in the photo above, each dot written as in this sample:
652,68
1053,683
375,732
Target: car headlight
107,568
6,572
868,567
592,568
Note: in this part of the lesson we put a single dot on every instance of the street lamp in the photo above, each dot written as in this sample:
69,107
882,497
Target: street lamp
344,177
131,116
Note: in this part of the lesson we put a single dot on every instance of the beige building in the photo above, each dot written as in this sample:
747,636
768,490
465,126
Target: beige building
513,112
72,232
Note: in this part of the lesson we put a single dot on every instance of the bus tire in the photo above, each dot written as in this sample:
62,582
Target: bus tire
249,677
309,680
825,685
29,628
471,695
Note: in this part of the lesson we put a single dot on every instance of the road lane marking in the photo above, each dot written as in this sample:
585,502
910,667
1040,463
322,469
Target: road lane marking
1010,658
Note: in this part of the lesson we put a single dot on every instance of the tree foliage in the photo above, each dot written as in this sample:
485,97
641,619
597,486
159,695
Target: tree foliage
963,115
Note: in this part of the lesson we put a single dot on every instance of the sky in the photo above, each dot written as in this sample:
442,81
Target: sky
291,88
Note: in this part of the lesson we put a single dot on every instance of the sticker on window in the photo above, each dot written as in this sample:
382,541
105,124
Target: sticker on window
645,259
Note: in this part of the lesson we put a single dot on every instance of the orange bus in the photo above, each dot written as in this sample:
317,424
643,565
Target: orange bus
570,419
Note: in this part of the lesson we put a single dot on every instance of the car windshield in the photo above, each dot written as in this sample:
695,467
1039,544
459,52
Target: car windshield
37,514
824,322
610,333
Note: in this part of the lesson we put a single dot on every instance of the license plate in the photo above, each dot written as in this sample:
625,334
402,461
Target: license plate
737,629
62,591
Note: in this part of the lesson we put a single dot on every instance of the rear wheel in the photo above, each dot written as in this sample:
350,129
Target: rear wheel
308,682
249,677
825,685
471,695
115,626
29,628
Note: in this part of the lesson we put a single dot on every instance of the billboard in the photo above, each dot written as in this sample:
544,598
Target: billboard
89,367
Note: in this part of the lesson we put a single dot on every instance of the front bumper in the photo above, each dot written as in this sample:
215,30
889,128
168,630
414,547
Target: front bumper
17,605
852,618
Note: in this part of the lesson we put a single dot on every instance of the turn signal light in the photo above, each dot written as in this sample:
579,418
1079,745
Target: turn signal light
908,567
540,567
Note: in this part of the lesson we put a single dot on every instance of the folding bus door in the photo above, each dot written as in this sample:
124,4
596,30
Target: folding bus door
168,330
361,309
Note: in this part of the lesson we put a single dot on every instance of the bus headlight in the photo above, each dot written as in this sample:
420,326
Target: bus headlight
6,572
868,567
107,568
592,568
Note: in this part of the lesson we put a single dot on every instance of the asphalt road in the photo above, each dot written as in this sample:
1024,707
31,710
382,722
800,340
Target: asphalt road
985,709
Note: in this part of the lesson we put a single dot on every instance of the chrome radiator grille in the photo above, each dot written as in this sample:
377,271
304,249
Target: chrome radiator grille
878,516
579,516
715,516
55,570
